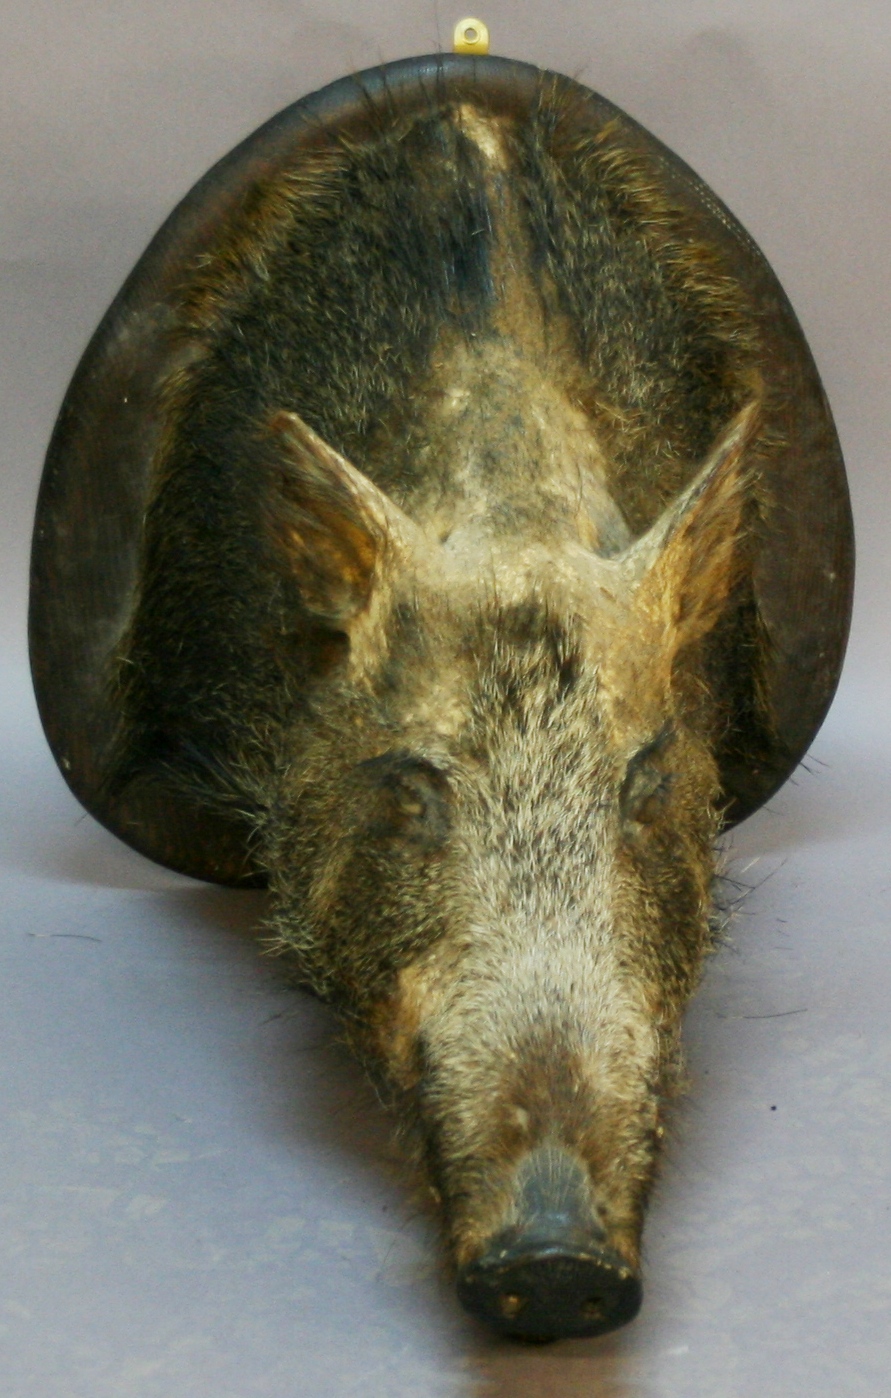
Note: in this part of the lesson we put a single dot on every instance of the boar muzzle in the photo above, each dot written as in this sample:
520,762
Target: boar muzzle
550,1273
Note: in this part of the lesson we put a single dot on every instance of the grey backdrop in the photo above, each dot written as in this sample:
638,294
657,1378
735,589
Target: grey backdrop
199,1195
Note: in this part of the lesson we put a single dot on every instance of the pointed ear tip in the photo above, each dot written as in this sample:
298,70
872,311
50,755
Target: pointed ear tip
282,422
748,419
728,458
301,443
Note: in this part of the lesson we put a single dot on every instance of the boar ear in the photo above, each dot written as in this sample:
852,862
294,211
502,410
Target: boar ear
687,564
333,530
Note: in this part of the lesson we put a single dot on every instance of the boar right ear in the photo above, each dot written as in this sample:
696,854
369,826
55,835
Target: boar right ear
687,564
333,530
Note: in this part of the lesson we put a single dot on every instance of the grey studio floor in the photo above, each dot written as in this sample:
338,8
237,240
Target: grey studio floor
200,1198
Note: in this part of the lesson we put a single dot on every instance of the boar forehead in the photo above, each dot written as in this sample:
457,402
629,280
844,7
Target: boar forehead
473,663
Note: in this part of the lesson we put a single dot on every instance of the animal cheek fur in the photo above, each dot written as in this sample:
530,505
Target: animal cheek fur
397,1022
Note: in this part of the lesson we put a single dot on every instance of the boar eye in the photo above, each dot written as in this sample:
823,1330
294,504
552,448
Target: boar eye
411,799
644,794
647,785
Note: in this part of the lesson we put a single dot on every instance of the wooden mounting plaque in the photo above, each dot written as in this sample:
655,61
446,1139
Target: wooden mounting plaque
97,474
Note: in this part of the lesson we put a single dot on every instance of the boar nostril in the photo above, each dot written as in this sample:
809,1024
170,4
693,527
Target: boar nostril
511,1304
594,1309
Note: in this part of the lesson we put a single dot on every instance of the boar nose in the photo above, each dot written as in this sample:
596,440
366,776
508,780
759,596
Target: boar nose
549,1274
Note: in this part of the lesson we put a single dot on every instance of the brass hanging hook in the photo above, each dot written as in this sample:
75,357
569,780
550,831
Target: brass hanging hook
471,36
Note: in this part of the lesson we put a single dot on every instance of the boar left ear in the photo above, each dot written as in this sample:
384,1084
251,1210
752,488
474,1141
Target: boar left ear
688,562
333,530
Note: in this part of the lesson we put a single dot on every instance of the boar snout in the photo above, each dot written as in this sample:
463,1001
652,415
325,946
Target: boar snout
549,1273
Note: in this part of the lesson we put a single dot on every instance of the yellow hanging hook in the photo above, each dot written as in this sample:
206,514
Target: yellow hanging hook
471,36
